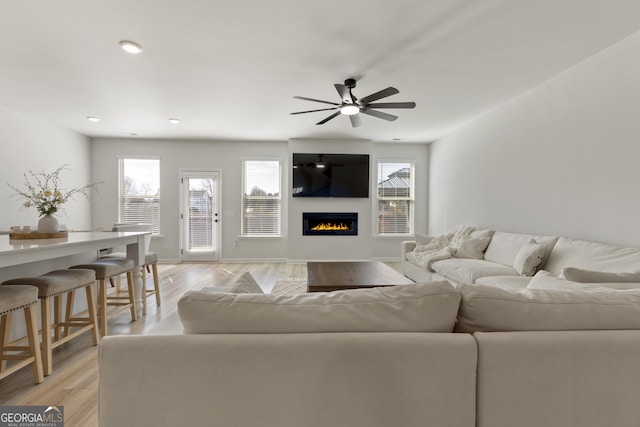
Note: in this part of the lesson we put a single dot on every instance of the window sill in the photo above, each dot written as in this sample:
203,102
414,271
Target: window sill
394,236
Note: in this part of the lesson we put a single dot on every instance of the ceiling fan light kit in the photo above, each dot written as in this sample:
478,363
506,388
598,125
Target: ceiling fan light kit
352,106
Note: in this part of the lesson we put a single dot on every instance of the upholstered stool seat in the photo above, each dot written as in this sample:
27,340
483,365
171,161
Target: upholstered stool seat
150,262
51,287
14,298
106,268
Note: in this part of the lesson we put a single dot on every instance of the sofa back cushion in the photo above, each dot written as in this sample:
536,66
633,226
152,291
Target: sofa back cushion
592,256
427,307
490,309
504,247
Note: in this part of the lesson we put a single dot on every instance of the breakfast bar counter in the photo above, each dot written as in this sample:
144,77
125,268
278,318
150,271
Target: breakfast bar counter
16,252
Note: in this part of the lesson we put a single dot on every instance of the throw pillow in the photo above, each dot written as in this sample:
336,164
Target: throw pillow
246,284
243,284
529,258
576,274
424,307
474,245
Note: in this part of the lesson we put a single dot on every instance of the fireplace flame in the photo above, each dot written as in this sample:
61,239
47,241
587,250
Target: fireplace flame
330,227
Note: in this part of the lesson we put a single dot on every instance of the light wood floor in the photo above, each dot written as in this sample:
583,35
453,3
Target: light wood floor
74,381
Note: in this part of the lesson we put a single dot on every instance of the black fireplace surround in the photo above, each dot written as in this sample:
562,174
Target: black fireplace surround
329,223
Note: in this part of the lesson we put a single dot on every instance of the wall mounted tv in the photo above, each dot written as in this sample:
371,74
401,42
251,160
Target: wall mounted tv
330,175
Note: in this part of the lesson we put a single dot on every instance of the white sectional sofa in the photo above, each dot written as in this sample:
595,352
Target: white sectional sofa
498,265
411,355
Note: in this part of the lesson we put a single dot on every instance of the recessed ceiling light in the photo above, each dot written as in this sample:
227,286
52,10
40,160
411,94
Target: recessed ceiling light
130,47
174,121
93,119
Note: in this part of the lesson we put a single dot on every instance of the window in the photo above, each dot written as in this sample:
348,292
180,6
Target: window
140,191
261,202
395,198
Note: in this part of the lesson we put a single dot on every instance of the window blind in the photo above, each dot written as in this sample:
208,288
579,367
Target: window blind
140,192
261,210
395,198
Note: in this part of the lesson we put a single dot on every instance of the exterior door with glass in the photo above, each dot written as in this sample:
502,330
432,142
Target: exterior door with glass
200,216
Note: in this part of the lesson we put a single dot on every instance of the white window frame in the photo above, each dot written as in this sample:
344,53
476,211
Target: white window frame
121,195
279,198
377,199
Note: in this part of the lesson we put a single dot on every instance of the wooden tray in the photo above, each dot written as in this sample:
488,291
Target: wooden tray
36,235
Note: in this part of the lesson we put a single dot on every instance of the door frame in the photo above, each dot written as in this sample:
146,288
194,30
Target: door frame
187,172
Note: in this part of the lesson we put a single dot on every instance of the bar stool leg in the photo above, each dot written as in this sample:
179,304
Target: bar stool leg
132,296
102,309
5,328
45,313
32,336
57,317
68,311
156,282
144,290
92,314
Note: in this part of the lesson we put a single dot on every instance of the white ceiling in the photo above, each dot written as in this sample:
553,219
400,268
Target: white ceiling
229,69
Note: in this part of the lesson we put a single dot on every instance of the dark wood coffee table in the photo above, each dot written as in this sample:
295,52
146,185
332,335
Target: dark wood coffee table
334,276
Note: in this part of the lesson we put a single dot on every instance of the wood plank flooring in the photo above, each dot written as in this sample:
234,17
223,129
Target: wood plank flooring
74,381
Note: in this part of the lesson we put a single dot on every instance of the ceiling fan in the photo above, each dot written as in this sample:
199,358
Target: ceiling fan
351,106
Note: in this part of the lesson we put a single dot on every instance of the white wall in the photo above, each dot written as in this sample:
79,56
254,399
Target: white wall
563,159
28,144
226,156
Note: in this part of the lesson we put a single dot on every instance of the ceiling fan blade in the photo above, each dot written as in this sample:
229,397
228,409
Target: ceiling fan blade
315,100
379,95
393,105
379,114
355,120
336,114
343,91
313,111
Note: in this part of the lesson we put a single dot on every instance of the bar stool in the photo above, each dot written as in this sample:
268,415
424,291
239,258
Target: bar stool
150,266
14,298
150,261
106,268
51,287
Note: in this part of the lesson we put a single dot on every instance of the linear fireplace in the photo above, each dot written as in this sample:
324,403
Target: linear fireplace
329,223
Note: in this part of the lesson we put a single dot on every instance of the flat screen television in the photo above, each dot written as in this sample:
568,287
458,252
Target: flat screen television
330,175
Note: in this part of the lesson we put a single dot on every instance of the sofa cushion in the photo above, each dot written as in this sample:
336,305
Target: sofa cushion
545,280
426,307
592,256
504,247
490,309
507,282
591,276
462,270
529,257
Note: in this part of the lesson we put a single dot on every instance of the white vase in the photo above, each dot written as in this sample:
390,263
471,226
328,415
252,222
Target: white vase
48,224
